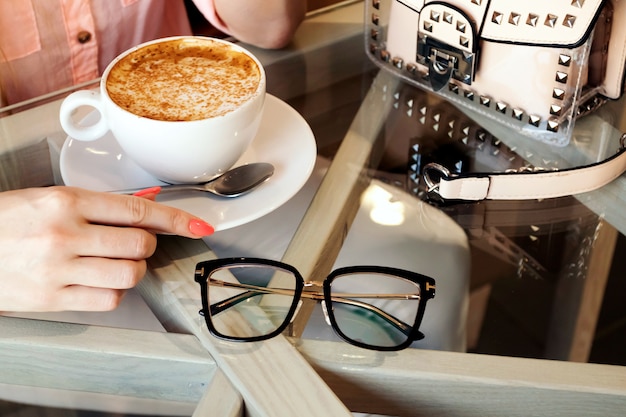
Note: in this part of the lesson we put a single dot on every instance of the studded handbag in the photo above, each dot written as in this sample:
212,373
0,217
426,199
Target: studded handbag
533,65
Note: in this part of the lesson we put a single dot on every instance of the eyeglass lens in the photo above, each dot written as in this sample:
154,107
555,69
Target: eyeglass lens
374,309
258,308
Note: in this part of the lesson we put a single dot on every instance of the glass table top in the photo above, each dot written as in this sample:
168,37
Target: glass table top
521,250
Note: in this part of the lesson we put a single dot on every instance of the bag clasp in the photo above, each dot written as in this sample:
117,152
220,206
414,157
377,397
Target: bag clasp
445,62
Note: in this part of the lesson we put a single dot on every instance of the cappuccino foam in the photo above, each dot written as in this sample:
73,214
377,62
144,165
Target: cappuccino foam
183,79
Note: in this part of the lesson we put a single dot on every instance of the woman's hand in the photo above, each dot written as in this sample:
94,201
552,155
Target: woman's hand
64,248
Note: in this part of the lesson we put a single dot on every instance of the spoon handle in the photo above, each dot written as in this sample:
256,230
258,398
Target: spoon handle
165,188
183,187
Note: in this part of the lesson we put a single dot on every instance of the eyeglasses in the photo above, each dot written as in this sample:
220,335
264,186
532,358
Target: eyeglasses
373,307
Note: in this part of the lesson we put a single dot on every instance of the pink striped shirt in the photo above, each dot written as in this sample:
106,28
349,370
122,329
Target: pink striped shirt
46,45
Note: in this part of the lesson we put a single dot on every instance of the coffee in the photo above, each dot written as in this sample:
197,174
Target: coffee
183,80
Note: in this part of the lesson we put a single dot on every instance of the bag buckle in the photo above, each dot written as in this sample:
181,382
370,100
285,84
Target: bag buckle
445,62
432,174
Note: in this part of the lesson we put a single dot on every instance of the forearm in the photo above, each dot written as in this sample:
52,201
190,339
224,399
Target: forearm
267,24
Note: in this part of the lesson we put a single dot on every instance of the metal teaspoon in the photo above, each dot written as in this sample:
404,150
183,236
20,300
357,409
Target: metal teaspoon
232,183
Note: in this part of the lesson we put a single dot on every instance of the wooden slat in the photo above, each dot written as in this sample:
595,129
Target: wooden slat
320,235
221,399
430,383
75,357
578,300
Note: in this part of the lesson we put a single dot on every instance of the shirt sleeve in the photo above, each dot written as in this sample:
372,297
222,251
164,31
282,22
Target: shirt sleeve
207,8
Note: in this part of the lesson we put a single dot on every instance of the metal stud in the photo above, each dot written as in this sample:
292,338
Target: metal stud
411,68
374,34
397,62
558,93
555,110
485,101
550,20
376,4
464,41
514,18
496,18
428,26
553,125
578,3
477,2
565,60
469,94
453,88
501,107
569,21
534,120
561,77
375,18
460,26
385,55
447,17
435,15
517,114
532,20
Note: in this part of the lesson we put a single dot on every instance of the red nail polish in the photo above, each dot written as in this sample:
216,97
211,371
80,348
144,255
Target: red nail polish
200,228
147,191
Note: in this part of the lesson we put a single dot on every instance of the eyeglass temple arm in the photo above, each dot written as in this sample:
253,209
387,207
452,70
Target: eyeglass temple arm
395,322
254,290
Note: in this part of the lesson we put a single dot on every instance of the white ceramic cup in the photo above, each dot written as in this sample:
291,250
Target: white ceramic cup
175,151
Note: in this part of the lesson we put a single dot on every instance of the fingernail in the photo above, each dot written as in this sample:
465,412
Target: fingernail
147,191
200,228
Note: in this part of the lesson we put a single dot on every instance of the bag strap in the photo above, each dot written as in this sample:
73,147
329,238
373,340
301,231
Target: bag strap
525,184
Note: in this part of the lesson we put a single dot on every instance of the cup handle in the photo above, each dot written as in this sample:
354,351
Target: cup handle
71,127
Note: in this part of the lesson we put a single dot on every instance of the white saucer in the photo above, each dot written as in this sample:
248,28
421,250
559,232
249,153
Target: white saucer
284,140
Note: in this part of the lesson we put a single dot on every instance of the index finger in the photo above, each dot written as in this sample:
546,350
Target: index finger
125,210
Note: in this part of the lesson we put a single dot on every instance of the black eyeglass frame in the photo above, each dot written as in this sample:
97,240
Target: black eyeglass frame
206,268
